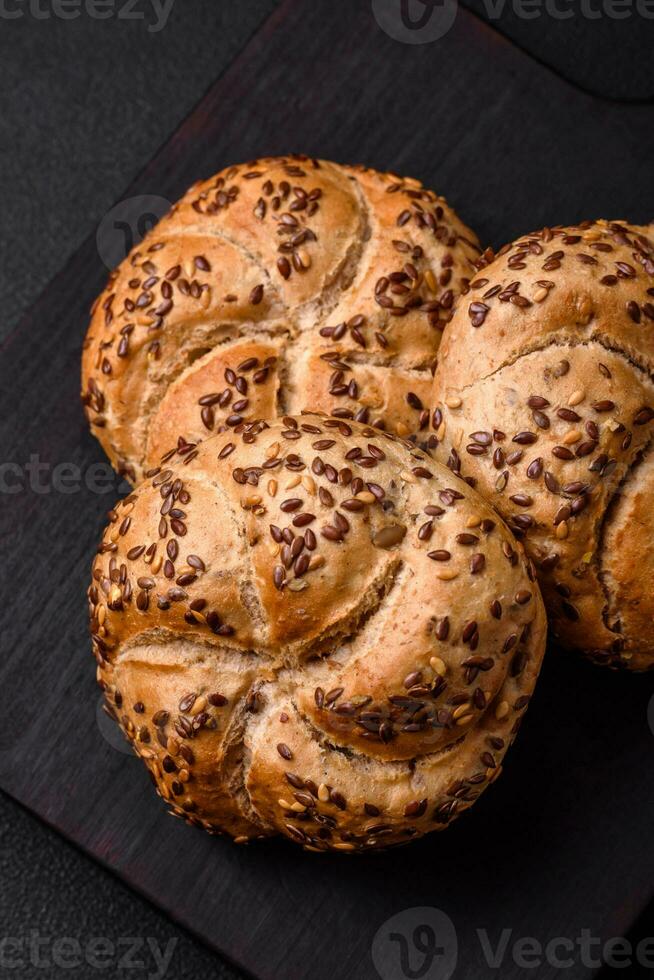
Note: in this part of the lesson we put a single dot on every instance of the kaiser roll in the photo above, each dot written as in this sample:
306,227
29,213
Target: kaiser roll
276,286
544,398
306,627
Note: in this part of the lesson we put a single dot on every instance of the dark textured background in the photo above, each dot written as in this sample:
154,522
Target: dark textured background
83,107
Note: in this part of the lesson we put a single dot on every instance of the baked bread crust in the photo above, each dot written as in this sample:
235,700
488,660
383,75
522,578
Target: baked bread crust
305,627
544,397
338,280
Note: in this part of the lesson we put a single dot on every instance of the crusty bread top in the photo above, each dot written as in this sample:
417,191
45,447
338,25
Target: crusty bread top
334,281
544,397
315,598
593,281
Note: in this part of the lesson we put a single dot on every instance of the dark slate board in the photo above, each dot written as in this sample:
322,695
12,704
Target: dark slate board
562,842
602,55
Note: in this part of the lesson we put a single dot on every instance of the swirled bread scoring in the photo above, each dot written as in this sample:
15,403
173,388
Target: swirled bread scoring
306,627
276,286
544,397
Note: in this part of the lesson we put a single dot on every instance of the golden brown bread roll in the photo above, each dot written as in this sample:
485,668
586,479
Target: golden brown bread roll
306,627
544,397
276,286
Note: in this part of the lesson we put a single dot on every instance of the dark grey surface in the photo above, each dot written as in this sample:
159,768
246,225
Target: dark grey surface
103,109
83,106
50,889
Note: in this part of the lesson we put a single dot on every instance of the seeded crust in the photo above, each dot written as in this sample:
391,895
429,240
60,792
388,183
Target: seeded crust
285,283
306,627
543,399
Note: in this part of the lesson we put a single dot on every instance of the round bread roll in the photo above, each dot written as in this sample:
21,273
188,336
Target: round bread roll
305,627
544,398
276,286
